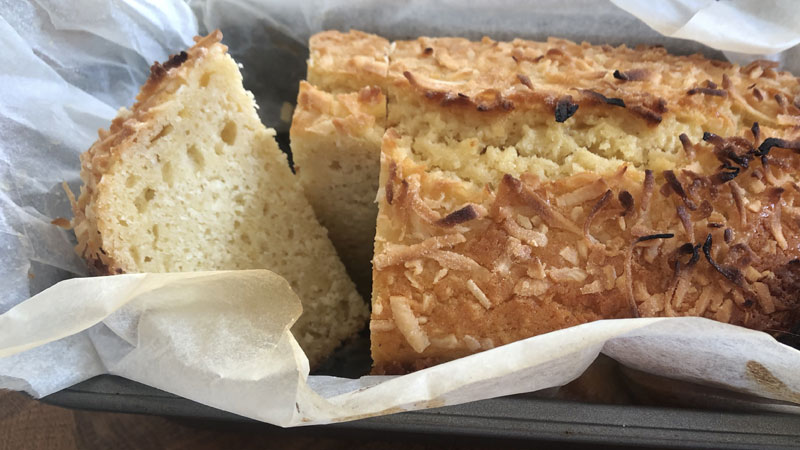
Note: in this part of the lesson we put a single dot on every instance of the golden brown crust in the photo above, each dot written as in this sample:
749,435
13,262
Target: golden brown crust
539,255
352,114
164,79
345,62
647,82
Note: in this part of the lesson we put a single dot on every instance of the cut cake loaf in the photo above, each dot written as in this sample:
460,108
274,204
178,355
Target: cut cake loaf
527,187
531,186
189,179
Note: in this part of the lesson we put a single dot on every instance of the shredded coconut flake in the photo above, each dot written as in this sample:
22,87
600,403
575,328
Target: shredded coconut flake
395,254
724,312
471,343
440,274
530,237
583,194
407,323
381,325
446,342
567,274
479,295
570,255
764,297
592,288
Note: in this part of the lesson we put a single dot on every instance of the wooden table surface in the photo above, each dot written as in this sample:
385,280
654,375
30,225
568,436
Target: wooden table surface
28,424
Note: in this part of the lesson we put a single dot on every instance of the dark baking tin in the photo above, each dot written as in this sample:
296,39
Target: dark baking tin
517,418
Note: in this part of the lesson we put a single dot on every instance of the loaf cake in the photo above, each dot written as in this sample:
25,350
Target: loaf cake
531,186
189,179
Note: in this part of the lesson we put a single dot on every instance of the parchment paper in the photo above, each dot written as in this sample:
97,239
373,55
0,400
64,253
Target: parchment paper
221,338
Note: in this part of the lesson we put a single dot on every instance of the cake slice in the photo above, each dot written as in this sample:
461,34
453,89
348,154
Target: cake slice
336,140
336,137
189,179
527,187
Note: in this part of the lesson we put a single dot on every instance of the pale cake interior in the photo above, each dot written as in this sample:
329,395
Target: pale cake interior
200,184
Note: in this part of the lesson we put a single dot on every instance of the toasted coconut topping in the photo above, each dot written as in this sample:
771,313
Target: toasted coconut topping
158,70
378,325
704,211
419,206
539,205
390,182
775,218
677,187
768,171
727,175
764,297
727,235
724,312
687,145
632,75
594,95
560,274
447,342
565,108
629,268
768,143
462,215
440,275
707,91
471,343
738,198
524,79
397,254
649,115
711,138
726,81
756,130
781,100
731,273
647,192
531,237
686,221
408,324
527,287
479,295
626,200
583,194
570,255
595,287
454,261
653,237
595,210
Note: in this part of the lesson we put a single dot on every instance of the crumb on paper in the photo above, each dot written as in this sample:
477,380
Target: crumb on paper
61,222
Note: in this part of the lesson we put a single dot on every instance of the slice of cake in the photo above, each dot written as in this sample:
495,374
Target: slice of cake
336,140
336,137
527,187
189,179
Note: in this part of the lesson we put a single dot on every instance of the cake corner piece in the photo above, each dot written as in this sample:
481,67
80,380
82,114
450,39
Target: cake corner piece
190,179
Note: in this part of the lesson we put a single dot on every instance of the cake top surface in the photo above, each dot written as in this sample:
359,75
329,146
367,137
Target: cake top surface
648,81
